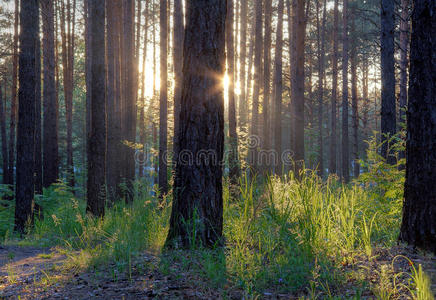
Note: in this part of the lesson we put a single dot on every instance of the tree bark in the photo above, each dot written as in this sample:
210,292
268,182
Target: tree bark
333,136
388,101
243,71
197,212
96,193
404,61
267,77
419,224
5,162
24,189
278,89
163,101
345,136
354,99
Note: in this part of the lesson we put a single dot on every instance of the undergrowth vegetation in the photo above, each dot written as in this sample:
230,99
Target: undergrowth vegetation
281,235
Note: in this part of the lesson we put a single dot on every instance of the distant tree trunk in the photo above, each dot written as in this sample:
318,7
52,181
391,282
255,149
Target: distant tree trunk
267,77
321,67
243,70
163,101
297,85
13,120
178,66
404,61
345,137
129,95
50,125
365,83
96,194
154,125
419,224
253,155
5,162
388,111
354,99
24,189
333,136
198,185
233,137
278,88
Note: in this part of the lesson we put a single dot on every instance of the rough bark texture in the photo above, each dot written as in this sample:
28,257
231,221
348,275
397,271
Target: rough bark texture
354,99
278,88
38,120
50,123
233,137
197,212
388,102
24,188
163,101
333,134
419,222
267,77
5,162
96,193
345,138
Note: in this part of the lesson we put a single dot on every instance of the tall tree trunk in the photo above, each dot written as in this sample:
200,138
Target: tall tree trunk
267,77
87,37
321,67
243,70
233,137
198,186
404,61
50,125
333,136
278,89
163,101
24,189
297,85
154,99
96,193
253,155
388,110
38,120
178,66
419,224
345,137
13,120
354,99
5,162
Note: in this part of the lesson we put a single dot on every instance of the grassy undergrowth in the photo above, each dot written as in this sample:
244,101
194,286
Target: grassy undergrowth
282,235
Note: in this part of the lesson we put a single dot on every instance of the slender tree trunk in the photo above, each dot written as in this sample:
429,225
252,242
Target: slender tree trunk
243,71
154,126
278,89
233,137
178,66
87,72
256,87
419,224
354,99
5,162
388,110
333,116
267,77
404,61
24,189
198,185
13,120
345,137
50,123
163,101
96,194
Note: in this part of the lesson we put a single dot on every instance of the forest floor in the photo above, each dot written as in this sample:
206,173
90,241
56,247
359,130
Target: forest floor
42,273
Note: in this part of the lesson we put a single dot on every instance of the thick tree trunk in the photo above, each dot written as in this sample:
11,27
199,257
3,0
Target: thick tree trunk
96,193
50,123
243,70
38,120
163,101
24,189
345,137
354,100
178,36
388,101
266,143
278,89
419,222
404,61
5,162
197,212
333,116
233,137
